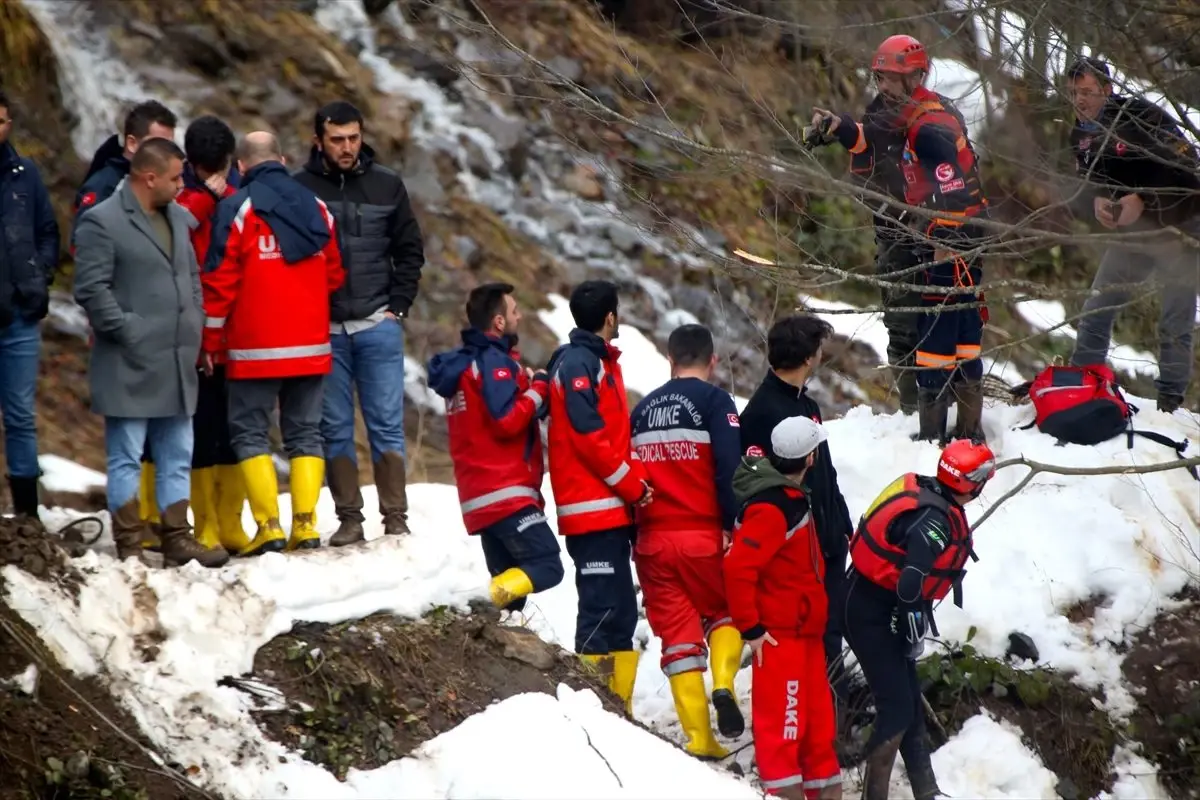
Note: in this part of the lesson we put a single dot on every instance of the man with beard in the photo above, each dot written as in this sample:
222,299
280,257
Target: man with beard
383,254
492,409
897,251
137,279
940,174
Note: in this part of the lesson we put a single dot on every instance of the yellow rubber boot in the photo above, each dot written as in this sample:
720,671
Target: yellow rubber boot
262,489
231,499
510,585
204,507
308,473
600,663
148,508
725,658
691,704
625,664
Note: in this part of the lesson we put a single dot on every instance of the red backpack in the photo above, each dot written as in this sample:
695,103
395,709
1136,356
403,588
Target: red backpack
1084,405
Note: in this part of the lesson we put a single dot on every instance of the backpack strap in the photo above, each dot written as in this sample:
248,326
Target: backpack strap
1179,447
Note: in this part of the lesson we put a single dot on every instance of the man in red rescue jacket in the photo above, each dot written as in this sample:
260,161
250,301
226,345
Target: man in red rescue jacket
492,408
218,492
271,266
909,551
942,175
774,581
688,438
597,478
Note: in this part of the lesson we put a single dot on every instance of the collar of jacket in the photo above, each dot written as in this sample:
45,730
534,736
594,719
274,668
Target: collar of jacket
783,387
478,340
317,164
756,474
593,342
9,157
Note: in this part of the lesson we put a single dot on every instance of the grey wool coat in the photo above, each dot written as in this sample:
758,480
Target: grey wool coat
145,307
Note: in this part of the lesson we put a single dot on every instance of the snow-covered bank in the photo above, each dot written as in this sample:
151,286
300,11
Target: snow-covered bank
1132,538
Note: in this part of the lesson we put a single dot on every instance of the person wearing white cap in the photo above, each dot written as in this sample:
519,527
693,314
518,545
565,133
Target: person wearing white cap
774,584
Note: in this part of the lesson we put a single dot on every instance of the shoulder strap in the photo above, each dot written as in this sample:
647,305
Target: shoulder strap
1179,447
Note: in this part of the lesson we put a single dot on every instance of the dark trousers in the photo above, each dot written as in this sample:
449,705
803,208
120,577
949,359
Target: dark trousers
835,590
252,403
896,256
891,677
524,540
607,612
950,340
211,423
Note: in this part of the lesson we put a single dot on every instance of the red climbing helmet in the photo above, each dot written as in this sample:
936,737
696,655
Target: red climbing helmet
900,54
966,466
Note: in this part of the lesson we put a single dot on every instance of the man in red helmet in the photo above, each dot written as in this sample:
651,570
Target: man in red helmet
941,174
909,551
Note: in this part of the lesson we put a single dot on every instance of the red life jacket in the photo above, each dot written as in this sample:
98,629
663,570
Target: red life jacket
959,189
880,561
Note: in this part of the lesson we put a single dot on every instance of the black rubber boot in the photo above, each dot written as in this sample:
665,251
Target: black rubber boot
24,496
932,408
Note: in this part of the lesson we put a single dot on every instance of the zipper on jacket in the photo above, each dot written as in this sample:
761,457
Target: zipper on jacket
347,261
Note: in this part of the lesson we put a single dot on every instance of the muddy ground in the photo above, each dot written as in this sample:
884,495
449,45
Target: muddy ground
68,739
1163,666
377,688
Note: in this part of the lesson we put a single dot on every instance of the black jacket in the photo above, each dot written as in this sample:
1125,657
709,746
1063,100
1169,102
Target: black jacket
774,401
31,245
382,249
99,186
1135,146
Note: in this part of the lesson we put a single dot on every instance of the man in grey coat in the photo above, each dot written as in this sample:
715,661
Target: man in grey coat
137,278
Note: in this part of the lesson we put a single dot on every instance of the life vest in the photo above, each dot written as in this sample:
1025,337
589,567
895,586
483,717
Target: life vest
880,561
957,195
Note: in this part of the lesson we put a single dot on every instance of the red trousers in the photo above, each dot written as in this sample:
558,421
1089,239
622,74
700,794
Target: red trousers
683,591
793,717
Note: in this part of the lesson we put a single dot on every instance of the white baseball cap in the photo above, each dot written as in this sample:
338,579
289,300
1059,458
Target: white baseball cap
796,437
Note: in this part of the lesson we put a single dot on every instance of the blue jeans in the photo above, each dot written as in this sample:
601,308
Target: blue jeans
171,440
373,361
20,347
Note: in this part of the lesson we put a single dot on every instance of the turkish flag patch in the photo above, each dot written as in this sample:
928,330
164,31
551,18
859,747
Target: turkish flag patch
754,450
501,374
733,420
87,200
944,171
579,384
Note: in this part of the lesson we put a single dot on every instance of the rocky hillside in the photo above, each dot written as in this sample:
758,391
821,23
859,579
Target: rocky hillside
543,143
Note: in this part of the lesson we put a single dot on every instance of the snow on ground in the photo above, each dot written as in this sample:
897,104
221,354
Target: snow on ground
1063,539
62,475
1049,315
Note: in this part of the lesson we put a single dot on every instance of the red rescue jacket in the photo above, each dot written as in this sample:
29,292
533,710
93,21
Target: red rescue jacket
272,264
495,443
881,561
201,203
774,570
594,472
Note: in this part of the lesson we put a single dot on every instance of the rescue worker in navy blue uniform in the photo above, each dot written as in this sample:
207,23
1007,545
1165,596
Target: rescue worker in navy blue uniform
794,347
942,175
898,253
909,551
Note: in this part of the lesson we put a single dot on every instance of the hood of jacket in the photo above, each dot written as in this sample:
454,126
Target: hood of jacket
291,210
755,475
317,164
445,369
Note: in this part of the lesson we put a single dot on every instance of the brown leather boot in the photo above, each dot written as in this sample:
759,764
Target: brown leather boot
393,500
129,532
341,474
878,774
179,546
969,397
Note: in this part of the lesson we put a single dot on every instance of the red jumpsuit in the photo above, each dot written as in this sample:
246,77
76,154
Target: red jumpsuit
774,583
688,438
